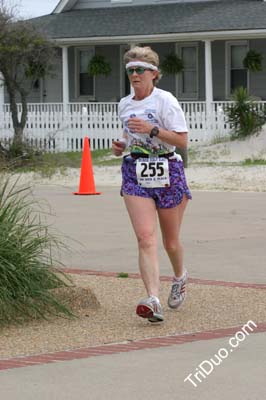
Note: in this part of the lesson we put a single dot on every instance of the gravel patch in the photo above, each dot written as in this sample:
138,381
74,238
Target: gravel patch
114,320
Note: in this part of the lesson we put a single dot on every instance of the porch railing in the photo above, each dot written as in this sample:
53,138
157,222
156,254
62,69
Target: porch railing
53,128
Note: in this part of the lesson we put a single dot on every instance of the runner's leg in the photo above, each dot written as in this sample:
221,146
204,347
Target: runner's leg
170,222
143,215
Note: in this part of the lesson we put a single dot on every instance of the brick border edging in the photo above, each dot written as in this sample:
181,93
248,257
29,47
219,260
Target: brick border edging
76,271
151,343
155,342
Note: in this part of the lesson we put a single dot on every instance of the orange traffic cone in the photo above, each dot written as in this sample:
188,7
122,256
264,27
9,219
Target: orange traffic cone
86,183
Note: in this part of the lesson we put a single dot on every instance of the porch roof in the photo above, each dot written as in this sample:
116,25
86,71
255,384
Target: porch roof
139,21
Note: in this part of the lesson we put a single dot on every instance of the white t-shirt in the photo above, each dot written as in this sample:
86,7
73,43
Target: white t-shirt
160,109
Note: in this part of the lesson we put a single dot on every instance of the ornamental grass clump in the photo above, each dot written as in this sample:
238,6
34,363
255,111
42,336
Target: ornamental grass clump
243,115
27,274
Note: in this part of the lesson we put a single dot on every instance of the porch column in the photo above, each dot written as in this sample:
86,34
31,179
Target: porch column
208,77
65,77
2,92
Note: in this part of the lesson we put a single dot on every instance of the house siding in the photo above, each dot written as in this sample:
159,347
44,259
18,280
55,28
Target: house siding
218,67
167,82
108,88
256,79
50,88
53,85
201,72
71,72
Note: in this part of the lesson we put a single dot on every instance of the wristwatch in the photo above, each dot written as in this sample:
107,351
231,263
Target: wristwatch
154,132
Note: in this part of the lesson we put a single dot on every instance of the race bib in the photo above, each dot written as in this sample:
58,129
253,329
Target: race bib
152,172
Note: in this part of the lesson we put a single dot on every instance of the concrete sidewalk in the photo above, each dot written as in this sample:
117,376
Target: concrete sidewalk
224,236
151,374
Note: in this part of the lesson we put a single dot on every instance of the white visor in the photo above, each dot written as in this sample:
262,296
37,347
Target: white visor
141,64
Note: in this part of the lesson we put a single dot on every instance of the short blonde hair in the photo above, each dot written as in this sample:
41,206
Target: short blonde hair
145,54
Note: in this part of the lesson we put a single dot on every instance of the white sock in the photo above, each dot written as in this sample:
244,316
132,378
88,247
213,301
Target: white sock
155,298
177,279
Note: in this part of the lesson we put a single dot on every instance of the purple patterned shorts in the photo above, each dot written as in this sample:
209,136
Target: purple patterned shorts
164,197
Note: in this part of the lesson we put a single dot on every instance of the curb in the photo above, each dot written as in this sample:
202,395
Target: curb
152,343
75,271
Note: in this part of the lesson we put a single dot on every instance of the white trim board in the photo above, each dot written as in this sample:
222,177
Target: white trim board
171,37
64,5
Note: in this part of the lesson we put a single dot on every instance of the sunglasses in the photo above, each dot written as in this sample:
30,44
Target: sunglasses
138,70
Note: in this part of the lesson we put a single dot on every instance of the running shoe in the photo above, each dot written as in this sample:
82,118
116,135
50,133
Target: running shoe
178,291
151,309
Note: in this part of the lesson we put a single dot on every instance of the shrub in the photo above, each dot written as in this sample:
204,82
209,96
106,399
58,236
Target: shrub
26,261
244,117
18,154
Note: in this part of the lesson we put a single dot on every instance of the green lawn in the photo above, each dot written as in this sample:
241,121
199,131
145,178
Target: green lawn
250,161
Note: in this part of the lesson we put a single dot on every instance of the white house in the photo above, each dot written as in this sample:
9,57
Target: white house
211,36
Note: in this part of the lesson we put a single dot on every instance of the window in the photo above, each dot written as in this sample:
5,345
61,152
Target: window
189,75
85,86
237,74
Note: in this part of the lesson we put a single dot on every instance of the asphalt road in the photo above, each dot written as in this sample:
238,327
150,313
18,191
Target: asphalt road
223,233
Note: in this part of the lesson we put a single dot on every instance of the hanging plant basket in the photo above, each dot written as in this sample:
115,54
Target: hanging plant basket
253,61
172,64
99,66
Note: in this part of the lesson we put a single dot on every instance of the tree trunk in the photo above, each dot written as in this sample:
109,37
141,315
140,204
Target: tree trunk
18,134
18,125
24,114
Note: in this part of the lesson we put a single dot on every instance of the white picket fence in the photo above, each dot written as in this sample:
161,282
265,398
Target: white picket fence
55,128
